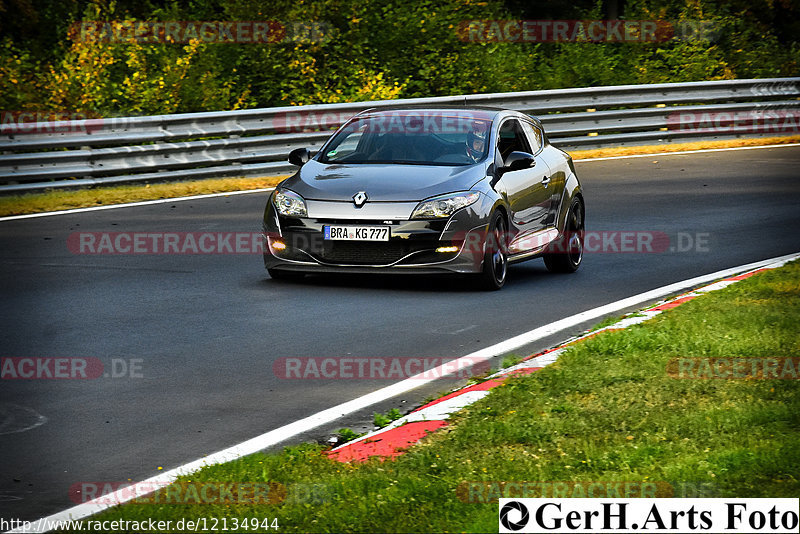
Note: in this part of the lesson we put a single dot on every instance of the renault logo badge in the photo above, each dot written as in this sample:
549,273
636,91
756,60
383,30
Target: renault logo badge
359,199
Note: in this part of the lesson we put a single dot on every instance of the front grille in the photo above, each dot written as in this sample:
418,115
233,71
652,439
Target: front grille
304,242
368,252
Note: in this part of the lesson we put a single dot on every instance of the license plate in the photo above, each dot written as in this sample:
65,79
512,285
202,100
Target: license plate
356,233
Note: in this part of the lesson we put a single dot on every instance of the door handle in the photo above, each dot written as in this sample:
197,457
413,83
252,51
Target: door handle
545,180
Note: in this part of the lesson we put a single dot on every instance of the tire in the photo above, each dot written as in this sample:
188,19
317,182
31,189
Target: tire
567,252
277,274
495,256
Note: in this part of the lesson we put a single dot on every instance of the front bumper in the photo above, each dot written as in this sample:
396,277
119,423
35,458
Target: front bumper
412,246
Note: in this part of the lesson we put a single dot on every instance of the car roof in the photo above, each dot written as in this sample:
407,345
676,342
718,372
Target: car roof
393,109
491,113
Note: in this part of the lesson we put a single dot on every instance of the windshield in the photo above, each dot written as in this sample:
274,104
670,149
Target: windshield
450,138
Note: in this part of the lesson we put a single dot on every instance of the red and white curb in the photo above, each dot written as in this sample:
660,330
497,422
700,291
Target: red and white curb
395,438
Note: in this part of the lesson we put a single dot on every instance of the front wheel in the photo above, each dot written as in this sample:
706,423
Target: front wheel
567,253
495,256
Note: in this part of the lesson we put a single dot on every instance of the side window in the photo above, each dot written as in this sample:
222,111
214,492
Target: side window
534,135
512,139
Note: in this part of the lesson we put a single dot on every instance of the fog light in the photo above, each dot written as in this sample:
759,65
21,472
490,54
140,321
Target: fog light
278,245
447,249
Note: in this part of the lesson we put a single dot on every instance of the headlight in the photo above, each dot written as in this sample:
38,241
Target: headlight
444,206
289,204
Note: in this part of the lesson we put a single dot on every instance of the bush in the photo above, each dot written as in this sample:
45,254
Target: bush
348,50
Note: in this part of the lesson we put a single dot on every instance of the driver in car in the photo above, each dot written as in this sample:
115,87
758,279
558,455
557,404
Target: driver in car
476,141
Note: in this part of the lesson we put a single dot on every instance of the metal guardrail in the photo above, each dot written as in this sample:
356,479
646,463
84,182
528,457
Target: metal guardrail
257,141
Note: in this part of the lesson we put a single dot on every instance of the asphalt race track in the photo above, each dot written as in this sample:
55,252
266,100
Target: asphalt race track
201,332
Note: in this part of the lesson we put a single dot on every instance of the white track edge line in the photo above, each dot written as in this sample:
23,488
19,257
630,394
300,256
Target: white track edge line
212,195
329,415
134,204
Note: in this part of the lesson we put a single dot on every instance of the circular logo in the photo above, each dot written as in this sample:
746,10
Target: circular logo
523,512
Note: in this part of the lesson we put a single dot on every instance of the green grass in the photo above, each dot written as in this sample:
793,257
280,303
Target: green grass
606,411
608,321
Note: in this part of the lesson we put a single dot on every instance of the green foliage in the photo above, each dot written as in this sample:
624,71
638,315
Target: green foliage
19,83
394,414
349,50
347,434
510,361
381,420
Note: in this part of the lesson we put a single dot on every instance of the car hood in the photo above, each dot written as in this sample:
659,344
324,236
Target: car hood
381,182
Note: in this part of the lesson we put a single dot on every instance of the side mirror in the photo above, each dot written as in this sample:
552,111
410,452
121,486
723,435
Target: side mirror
299,156
517,161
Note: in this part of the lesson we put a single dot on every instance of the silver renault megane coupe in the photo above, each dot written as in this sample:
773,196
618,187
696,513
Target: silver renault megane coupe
427,190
